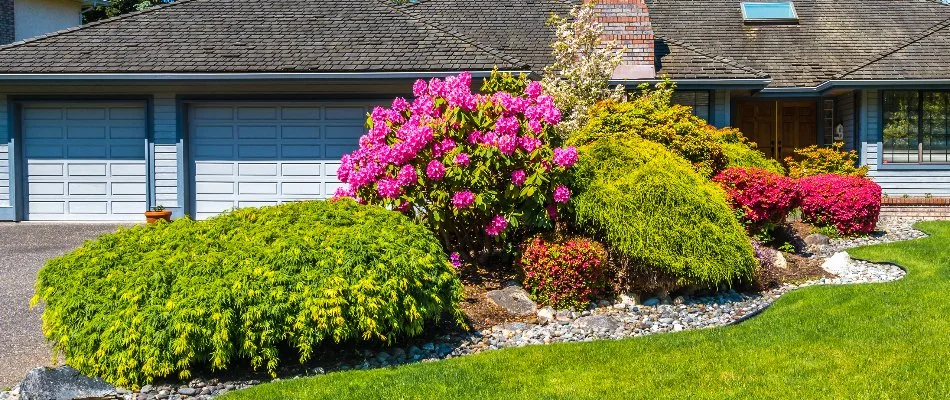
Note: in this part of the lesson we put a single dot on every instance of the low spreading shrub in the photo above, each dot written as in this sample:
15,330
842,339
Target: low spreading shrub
815,160
763,197
153,301
651,208
850,204
563,273
472,167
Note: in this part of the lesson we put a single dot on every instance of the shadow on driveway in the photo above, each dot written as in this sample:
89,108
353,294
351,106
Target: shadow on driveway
24,248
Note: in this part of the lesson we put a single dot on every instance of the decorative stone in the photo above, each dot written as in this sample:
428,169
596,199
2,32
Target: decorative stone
837,264
780,260
63,383
630,299
564,315
653,301
515,300
817,239
546,315
597,323
188,391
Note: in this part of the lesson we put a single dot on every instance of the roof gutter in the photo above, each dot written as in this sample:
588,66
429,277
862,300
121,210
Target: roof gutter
701,83
225,77
855,84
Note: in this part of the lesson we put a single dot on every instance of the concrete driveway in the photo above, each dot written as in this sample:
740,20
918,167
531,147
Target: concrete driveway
24,248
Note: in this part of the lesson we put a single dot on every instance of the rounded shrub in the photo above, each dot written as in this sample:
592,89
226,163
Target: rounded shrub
763,197
152,301
652,208
850,204
564,273
745,155
818,160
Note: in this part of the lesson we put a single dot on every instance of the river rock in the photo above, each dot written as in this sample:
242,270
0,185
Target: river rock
63,383
515,300
546,315
837,264
597,323
817,239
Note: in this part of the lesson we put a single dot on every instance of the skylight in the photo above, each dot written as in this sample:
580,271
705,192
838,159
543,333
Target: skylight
769,12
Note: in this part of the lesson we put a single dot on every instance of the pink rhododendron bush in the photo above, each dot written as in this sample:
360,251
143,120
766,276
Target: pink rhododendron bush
475,168
763,197
850,204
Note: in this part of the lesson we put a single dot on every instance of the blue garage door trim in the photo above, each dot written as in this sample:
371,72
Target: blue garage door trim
258,154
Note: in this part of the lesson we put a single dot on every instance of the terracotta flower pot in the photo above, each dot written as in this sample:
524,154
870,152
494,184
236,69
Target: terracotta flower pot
155,216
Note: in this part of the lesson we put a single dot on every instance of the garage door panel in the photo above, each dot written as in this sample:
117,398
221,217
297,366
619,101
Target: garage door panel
279,153
300,113
307,152
95,170
257,169
300,132
85,162
268,151
200,132
257,132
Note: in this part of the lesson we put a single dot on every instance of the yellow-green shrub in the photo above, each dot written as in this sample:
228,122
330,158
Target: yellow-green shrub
152,301
651,115
817,160
652,208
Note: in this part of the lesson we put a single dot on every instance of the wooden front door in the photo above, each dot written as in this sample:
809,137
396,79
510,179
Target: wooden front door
778,127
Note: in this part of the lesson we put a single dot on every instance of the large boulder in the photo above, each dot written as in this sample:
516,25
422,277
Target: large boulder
514,300
63,383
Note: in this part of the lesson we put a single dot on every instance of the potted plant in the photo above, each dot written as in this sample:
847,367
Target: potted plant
158,213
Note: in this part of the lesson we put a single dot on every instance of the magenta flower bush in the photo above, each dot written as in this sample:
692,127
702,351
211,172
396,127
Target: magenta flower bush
762,196
850,204
474,167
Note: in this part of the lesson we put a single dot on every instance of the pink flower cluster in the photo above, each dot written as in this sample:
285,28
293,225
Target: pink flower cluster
763,196
448,146
564,274
851,204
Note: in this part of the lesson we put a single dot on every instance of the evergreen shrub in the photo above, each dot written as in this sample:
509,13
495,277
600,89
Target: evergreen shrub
157,300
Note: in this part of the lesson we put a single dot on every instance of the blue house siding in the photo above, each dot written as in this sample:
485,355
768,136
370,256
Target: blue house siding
167,185
896,181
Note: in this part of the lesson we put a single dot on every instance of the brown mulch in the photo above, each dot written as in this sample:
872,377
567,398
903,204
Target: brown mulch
480,313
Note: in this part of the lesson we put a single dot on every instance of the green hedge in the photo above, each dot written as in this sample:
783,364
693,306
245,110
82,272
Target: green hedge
651,207
152,301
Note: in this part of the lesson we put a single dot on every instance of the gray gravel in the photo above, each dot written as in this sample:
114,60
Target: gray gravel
24,247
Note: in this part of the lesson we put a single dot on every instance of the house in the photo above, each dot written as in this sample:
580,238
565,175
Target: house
24,19
204,105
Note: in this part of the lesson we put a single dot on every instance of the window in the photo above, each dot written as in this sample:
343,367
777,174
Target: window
698,101
916,127
769,12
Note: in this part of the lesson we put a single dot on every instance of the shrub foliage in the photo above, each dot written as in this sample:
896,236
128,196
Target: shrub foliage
564,273
654,210
472,167
815,160
152,301
850,204
652,116
763,197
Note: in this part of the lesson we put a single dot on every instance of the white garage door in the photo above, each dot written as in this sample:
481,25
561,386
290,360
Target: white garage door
85,162
252,155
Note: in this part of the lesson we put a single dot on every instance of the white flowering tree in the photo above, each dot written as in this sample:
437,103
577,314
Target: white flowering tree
583,63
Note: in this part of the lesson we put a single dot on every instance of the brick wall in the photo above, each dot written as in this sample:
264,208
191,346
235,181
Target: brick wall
628,22
919,211
7,32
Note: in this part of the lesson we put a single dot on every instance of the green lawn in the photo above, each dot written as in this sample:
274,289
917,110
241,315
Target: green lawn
878,341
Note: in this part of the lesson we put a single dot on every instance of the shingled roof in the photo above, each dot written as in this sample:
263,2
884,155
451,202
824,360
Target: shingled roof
832,37
257,36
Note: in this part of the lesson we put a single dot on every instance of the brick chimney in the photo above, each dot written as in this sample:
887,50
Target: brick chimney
628,23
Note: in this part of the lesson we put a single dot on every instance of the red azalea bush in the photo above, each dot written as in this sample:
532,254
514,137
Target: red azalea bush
471,166
850,204
763,197
564,273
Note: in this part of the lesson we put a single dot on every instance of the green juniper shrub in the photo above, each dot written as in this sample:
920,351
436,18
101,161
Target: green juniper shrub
668,225
153,301
653,116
